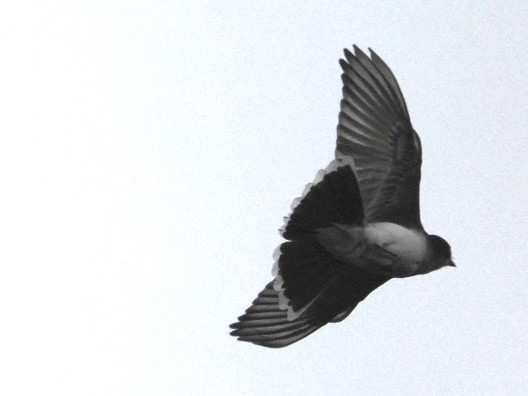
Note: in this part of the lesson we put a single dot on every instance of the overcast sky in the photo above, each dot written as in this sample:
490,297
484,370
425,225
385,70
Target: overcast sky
149,151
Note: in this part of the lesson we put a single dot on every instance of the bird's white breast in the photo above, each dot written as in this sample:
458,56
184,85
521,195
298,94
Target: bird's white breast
409,245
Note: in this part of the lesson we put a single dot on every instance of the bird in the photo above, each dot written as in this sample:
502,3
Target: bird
357,225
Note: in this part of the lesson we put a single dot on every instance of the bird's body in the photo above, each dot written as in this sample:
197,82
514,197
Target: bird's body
382,248
358,224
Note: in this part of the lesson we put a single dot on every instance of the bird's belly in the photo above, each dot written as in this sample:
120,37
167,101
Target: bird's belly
381,248
410,246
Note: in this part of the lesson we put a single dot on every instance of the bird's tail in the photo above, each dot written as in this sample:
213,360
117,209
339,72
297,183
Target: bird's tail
311,288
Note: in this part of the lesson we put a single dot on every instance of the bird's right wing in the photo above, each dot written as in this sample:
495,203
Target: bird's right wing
376,132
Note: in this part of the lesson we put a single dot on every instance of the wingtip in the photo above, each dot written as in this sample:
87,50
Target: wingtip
358,51
235,332
348,54
374,56
344,64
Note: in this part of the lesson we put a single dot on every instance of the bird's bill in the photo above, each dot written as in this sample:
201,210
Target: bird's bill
451,263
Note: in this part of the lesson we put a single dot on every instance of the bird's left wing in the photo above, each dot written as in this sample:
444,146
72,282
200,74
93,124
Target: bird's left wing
311,287
268,323
376,132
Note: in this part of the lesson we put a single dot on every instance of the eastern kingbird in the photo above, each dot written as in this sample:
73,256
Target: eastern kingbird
358,224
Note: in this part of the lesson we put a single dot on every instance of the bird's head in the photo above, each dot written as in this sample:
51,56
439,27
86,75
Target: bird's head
441,252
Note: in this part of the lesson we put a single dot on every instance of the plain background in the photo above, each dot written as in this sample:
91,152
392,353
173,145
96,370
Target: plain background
149,151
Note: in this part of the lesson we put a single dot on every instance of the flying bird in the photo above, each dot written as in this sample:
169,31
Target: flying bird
358,224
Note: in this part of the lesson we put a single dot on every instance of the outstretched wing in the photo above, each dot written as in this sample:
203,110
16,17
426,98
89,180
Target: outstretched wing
375,130
269,324
311,287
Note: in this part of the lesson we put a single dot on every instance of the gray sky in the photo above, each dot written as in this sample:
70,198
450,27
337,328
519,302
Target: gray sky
149,151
